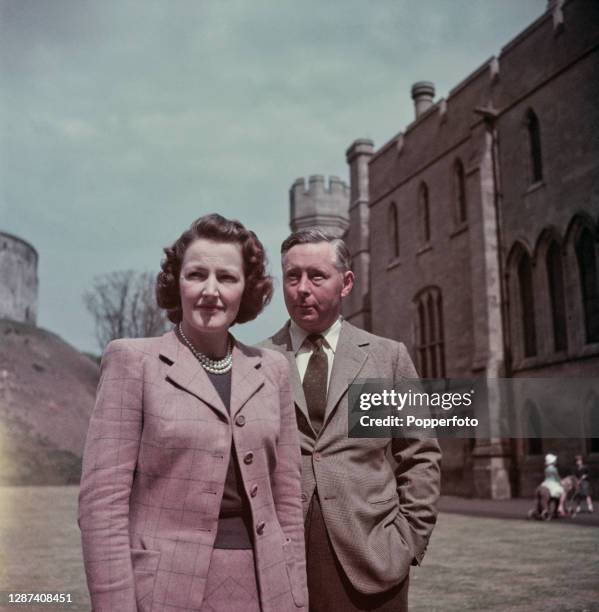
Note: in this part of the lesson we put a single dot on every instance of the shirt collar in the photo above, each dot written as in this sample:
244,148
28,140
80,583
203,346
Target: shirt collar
299,335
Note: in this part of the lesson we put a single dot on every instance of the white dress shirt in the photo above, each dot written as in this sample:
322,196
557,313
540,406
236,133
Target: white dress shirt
303,349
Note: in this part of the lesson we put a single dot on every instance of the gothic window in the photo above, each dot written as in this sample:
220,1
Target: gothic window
593,440
527,308
393,231
430,345
422,349
587,269
555,279
461,213
424,214
534,146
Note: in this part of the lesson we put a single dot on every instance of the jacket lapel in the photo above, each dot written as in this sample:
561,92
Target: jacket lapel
349,360
246,377
186,372
281,342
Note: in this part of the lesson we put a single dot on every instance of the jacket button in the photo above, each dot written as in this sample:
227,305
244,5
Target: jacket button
304,497
249,458
240,420
260,527
254,490
317,456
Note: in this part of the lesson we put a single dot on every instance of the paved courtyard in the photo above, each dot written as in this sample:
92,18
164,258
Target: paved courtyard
473,563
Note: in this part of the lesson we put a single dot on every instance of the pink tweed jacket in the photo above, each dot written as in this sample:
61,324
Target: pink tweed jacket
154,467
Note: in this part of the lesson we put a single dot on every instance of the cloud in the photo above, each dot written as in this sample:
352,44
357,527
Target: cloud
123,120
76,129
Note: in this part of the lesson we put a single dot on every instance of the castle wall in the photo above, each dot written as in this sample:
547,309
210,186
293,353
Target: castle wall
18,279
562,95
553,68
444,264
560,83
441,129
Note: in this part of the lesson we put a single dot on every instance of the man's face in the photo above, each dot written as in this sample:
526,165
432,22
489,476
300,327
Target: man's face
313,285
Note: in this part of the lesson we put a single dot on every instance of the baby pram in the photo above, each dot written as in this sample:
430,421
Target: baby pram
546,506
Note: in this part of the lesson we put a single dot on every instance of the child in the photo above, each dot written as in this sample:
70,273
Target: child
583,491
553,484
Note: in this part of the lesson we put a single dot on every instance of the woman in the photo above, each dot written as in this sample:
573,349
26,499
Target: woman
553,482
190,493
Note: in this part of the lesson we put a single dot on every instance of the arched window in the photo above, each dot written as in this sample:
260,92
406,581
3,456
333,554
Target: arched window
393,231
430,345
534,433
440,333
424,214
593,440
459,189
534,146
555,279
587,269
527,307
422,348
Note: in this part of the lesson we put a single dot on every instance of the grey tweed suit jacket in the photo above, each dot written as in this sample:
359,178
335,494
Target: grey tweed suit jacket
154,468
378,496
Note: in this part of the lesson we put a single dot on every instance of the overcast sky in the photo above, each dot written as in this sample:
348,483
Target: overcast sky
122,121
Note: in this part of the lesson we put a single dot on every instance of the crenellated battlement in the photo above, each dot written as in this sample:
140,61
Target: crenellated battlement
320,204
317,186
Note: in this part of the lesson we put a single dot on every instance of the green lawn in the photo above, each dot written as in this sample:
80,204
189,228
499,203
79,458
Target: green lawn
503,565
40,548
471,563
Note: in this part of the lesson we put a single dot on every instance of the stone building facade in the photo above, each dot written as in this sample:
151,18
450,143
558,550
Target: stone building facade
475,232
18,279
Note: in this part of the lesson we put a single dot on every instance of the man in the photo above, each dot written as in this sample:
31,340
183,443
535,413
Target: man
369,504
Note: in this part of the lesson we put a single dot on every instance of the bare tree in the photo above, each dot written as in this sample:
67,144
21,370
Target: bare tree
123,305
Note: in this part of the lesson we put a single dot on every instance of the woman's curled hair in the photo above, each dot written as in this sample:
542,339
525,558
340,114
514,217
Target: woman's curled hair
258,284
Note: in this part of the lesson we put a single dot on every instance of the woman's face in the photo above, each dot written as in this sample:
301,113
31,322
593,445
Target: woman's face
211,285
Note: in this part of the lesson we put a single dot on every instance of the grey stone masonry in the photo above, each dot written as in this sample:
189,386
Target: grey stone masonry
503,175
356,307
320,205
18,279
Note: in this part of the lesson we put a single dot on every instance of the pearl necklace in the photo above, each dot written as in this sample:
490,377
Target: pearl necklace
214,366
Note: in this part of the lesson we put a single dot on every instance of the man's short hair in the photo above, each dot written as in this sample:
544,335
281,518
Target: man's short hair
314,236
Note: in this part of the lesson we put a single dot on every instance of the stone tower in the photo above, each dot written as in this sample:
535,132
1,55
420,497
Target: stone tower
320,206
18,279
356,306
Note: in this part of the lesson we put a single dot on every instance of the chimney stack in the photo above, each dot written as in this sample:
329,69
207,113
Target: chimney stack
423,94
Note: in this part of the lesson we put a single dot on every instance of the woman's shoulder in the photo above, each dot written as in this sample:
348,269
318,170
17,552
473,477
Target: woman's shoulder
269,357
136,347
